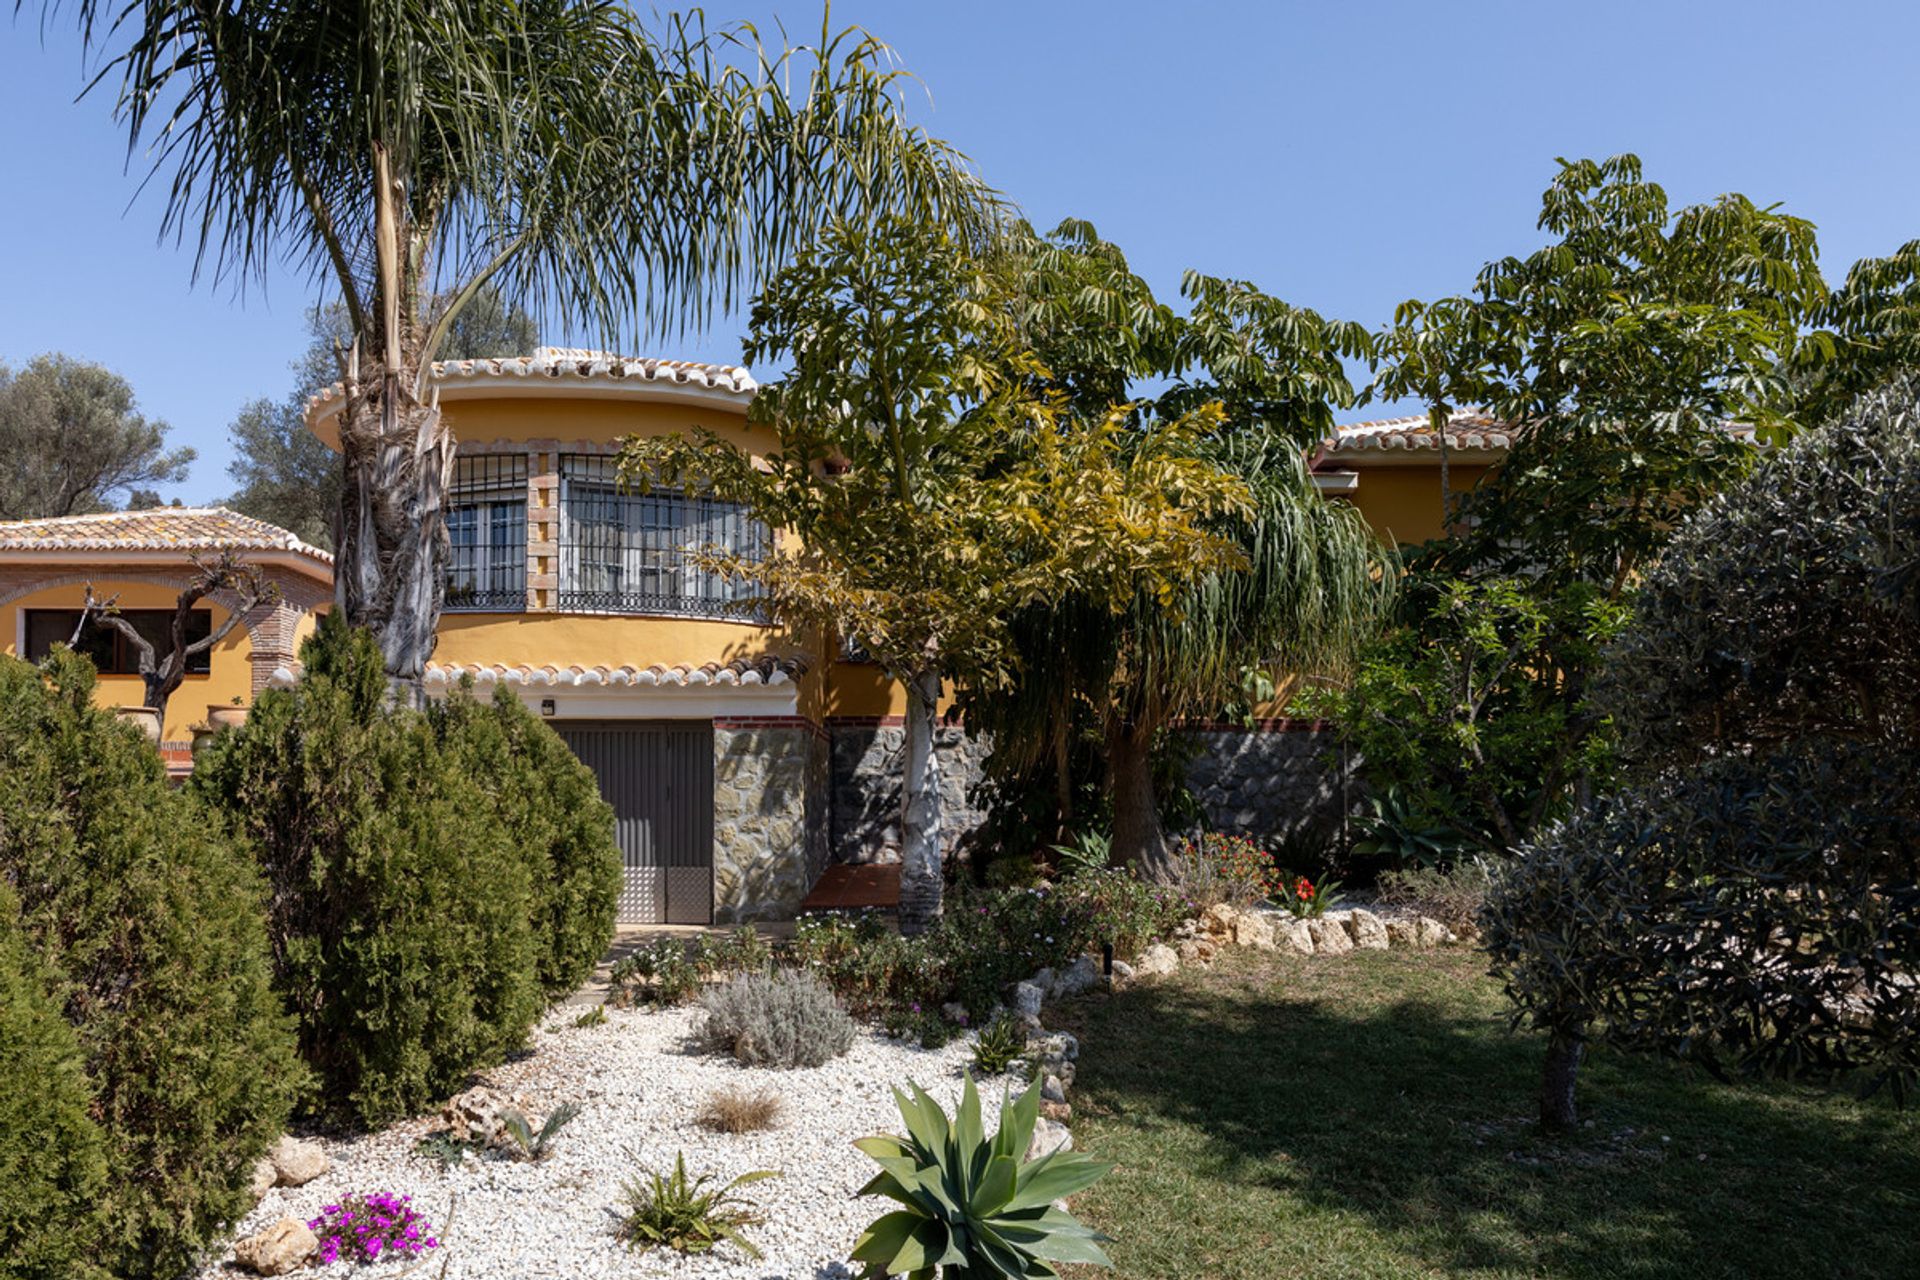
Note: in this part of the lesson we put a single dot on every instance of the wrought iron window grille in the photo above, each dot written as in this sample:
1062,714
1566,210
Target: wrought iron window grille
487,530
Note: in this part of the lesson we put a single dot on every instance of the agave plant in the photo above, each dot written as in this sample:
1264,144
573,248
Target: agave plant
971,1203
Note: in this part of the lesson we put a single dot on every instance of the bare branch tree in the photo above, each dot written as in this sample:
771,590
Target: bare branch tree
162,674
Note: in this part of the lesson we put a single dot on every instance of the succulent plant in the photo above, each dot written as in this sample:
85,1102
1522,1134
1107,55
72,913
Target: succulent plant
970,1200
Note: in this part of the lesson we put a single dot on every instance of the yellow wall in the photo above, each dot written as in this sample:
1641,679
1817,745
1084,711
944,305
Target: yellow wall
1402,503
569,421
231,675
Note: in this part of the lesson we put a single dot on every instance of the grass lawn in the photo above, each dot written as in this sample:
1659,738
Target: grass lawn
1371,1115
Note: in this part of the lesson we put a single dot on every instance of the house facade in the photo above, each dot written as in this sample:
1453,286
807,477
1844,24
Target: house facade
140,560
740,760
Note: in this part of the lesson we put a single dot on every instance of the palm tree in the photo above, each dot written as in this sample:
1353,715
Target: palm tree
410,153
1314,583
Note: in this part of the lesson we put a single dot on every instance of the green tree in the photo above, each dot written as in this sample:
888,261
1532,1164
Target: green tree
1748,898
1306,582
149,924
929,494
52,1154
1637,355
73,439
604,173
286,475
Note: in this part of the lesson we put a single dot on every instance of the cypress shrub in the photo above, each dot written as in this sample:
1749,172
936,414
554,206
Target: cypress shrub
52,1155
148,926
401,908
549,804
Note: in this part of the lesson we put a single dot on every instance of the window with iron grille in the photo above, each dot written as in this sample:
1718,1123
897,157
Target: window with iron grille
637,553
487,527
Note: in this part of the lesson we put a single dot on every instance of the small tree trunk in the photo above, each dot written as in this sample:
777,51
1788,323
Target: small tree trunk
922,874
1558,1109
1138,838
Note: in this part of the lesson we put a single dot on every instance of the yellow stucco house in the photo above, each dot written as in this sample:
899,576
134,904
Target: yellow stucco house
140,560
740,760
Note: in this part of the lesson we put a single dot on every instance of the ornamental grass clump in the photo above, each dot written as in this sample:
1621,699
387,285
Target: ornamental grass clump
788,1019
369,1228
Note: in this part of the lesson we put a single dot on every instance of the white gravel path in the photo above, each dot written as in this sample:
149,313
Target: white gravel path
640,1083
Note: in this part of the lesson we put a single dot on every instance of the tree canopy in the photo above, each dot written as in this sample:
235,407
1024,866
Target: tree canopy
1749,897
931,493
74,441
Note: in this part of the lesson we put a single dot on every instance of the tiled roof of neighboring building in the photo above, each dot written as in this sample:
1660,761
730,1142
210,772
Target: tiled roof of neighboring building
740,671
1466,429
183,529
574,365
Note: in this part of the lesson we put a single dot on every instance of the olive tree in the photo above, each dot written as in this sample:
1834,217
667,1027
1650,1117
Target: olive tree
1751,898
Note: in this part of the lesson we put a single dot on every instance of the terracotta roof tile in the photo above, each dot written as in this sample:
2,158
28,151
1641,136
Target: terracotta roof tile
181,529
575,364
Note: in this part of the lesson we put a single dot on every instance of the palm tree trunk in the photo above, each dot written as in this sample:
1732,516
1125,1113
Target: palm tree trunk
390,572
922,873
1558,1109
1138,838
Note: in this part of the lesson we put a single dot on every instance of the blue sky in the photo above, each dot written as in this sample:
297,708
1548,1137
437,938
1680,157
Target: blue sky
1342,156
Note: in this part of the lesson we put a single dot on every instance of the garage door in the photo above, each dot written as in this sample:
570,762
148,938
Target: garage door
658,776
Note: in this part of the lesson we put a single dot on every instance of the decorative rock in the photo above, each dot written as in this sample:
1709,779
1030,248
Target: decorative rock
1401,933
1083,975
1057,1044
281,1248
264,1175
1199,951
1027,999
1254,929
1049,1136
1217,921
1368,931
1428,932
1051,1090
1058,1112
1329,937
1290,933
1122,973
1156,961
297,1163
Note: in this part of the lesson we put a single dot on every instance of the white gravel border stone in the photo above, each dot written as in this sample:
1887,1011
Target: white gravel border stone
640,1081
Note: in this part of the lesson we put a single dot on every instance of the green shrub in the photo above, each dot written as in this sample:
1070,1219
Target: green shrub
147,923
549,805
787,1019
402,907
971,1202
1758,915
1453,896
660,973
52,1155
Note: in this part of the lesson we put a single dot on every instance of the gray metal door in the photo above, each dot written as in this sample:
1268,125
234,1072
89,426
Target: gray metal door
658,776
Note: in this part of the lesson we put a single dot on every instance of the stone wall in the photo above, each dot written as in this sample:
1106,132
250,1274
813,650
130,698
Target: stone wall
1269,782
1264,782
868,761
769,828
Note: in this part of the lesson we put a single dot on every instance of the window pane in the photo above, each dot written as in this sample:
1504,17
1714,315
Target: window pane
487,529
110,652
